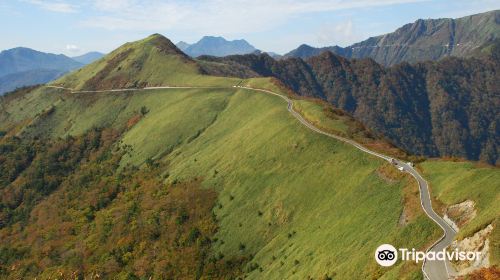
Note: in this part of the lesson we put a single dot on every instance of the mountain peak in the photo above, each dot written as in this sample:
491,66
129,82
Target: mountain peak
305,46
213,38
305,51
156,36
182,45
219,46
152,61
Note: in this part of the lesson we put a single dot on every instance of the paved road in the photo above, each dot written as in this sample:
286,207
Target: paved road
432,270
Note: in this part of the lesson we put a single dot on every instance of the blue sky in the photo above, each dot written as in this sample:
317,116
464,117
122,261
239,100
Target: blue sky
76,27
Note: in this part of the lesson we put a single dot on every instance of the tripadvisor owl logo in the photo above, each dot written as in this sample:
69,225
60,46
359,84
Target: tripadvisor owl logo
386,255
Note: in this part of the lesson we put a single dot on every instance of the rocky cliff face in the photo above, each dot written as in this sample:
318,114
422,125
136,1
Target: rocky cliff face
430,39
422,40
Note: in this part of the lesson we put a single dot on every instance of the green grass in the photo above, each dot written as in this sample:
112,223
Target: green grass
25,106
314,204
455,182
314,113
175,118
269,169
264,83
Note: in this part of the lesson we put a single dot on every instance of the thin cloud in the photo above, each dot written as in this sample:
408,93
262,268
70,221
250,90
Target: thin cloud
53,6
72,48
227,17
342,34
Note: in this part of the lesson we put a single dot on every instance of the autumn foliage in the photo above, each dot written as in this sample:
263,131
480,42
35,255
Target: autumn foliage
68,211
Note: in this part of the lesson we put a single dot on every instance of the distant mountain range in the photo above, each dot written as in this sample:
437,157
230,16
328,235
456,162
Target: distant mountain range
429,39
16,80
25,67
216,46
422,40
183,45
24,59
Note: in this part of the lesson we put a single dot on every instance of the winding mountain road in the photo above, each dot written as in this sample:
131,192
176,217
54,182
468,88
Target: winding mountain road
432,270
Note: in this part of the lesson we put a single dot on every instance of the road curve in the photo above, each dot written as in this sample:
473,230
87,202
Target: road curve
432,270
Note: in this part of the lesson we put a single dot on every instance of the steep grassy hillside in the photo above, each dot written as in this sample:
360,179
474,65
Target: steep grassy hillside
293,203
455,182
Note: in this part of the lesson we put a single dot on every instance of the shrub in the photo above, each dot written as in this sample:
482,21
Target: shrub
144,110
182,217
194,233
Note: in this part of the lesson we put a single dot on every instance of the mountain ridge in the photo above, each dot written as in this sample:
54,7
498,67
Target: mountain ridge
429,39
216,46
23,59
25,67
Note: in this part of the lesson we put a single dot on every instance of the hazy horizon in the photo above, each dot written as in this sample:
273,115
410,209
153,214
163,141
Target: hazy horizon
77,27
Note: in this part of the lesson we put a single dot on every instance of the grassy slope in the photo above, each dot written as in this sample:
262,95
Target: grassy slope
454,182
451,182
332,120
275,177
314,112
